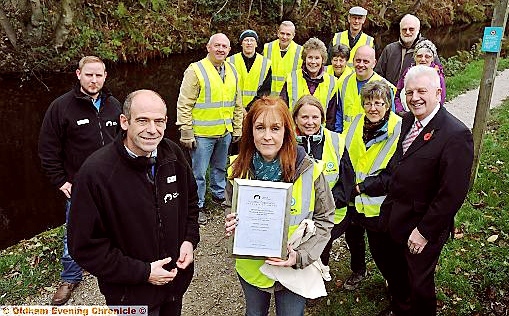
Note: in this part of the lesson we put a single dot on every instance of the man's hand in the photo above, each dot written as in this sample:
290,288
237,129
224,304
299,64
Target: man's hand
159,275
66,188
235,139
187,139
186,255
291,261
416,242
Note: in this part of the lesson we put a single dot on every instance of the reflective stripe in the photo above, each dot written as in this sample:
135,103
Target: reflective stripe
265,62
370,200
210,105
297,57
208,95
212,123
368,40
269,50
295,90
343,88
351,131
249,93
305,195
387,147
278,78
332,87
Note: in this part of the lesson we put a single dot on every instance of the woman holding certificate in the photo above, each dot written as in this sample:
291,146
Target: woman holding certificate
329,147
269,152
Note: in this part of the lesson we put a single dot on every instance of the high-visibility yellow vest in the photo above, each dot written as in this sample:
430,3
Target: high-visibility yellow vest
253,79
342,38
213,110
333,148
303,205
351,99
282,66
370,161
297,86
330,70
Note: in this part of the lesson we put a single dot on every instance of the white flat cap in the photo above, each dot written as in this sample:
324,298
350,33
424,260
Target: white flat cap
358,11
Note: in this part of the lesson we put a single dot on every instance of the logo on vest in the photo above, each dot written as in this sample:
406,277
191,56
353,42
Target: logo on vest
293,201
171,179
111,123
170,196
330,166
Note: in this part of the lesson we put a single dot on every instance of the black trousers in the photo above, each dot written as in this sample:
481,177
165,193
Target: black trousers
354,237
336,232
411,277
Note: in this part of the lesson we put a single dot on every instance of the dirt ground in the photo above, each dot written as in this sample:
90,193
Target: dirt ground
215,289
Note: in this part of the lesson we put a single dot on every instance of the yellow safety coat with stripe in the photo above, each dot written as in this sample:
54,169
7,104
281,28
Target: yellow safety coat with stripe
333,149
351,99
296,86
370,161
282,66
213,110
253,79
330,70
342,38
303,205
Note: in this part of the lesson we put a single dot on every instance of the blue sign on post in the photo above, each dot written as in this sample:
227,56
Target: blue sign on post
492,39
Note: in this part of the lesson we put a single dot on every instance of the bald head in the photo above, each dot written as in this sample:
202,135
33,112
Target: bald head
409,29
218,48
364,61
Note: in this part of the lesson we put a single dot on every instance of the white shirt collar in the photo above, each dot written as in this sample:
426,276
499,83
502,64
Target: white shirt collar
132,154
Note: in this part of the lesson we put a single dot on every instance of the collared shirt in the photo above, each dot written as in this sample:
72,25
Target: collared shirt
132,154
428,118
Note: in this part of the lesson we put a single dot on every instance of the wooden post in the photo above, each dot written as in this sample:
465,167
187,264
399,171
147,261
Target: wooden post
486,89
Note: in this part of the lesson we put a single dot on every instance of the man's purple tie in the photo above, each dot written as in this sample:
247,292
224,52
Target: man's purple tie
416,128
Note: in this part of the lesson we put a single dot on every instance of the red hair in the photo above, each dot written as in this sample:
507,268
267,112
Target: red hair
267,106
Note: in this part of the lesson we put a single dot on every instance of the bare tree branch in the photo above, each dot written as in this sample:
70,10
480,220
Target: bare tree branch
314,6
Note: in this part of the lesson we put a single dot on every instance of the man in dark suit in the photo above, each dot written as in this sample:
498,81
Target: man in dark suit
430,174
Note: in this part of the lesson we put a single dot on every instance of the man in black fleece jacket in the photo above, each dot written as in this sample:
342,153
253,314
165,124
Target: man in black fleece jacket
75,125
134,214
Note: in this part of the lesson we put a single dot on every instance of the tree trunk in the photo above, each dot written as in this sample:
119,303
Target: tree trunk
6,25
64,22
36,19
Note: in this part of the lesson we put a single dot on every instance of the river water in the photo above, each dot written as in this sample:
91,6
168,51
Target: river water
28,203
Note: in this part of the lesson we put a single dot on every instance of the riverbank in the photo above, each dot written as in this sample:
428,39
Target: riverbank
52,36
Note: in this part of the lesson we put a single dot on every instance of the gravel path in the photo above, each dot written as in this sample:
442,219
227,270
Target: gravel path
463,106
215,289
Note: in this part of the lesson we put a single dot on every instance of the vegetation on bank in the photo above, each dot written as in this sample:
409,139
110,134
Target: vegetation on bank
52,35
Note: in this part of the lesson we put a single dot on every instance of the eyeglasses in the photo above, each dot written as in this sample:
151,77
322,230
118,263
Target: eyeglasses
427,56
377,105
249,40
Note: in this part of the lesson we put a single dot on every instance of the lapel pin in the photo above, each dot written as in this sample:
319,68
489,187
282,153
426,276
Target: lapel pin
428,135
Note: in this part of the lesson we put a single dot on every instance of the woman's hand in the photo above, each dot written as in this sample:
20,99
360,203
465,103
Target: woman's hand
291,261
230,224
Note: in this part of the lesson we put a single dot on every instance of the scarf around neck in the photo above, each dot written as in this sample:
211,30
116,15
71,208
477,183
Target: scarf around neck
266,170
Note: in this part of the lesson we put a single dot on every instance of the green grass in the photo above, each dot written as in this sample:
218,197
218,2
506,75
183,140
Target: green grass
472,277
469,77
30,265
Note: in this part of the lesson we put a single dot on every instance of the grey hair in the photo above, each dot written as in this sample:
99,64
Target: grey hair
411,17
212,38
288,24
126,109
422,70
376,89
314,43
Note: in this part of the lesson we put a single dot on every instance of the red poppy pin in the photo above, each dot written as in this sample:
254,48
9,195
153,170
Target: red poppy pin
428,135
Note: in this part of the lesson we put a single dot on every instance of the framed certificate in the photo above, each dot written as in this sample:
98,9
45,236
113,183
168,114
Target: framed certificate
263,213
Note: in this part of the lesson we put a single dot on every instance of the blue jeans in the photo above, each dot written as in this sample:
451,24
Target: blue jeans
258,301
72,272
214,152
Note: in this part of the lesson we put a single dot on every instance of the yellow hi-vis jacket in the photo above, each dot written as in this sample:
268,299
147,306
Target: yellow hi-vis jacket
342,38
351,98
253,79
370,161
333,149
296,86
303,205
213,110
282,66
330,70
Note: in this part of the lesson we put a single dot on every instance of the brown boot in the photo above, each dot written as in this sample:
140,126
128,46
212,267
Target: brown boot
63,293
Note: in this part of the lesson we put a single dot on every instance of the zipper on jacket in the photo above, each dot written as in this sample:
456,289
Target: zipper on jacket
158,214
100,128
